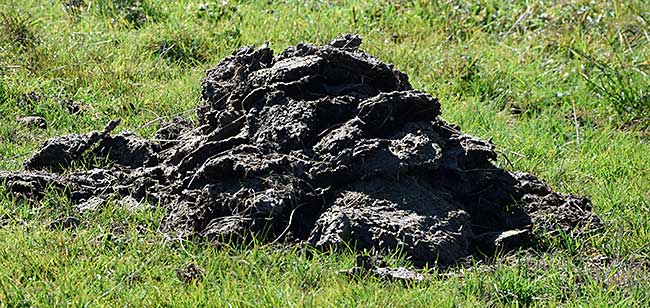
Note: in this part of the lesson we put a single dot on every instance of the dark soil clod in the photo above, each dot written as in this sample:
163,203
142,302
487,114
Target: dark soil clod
375,266
190,272
323,144
73,107
59,153
33,121
65,223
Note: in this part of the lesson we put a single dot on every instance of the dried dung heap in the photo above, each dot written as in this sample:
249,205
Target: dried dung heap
319,144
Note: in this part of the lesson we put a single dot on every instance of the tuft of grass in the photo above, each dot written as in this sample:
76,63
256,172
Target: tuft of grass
129,13
181,48
216,11
625,91
517,287
17,28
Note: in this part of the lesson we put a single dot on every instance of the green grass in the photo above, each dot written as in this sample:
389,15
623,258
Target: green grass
575,71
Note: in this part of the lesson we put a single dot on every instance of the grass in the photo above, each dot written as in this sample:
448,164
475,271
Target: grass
560,86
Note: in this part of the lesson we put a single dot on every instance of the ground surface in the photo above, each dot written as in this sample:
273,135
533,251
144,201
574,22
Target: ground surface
561,88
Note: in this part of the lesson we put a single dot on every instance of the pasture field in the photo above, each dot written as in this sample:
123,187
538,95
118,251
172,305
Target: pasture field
561,87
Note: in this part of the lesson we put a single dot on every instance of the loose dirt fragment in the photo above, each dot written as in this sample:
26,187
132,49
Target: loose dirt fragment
58,153
29,99
375,266
489,243
65,223
190,272
73,107
33,121
319,144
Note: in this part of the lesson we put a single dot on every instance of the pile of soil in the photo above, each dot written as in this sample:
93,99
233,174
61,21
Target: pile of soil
319,144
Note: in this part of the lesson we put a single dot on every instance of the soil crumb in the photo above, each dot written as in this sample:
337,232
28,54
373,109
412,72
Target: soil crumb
33,121
375,266
190,272
319,144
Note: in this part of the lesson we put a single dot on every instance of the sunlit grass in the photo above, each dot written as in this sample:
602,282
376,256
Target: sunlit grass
560,86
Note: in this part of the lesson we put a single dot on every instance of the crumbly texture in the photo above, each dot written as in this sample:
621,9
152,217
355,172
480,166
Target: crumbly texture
319,144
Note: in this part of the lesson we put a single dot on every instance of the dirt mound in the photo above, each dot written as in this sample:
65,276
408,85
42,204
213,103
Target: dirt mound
318,144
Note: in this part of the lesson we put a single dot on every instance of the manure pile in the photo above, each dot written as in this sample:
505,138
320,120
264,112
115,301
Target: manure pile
324,145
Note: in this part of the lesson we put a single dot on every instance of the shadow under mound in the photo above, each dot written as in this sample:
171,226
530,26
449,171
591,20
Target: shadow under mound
319,144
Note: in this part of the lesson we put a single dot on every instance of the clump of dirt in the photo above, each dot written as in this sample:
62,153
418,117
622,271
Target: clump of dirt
319,144
33,121
59,153
375,266
190,272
